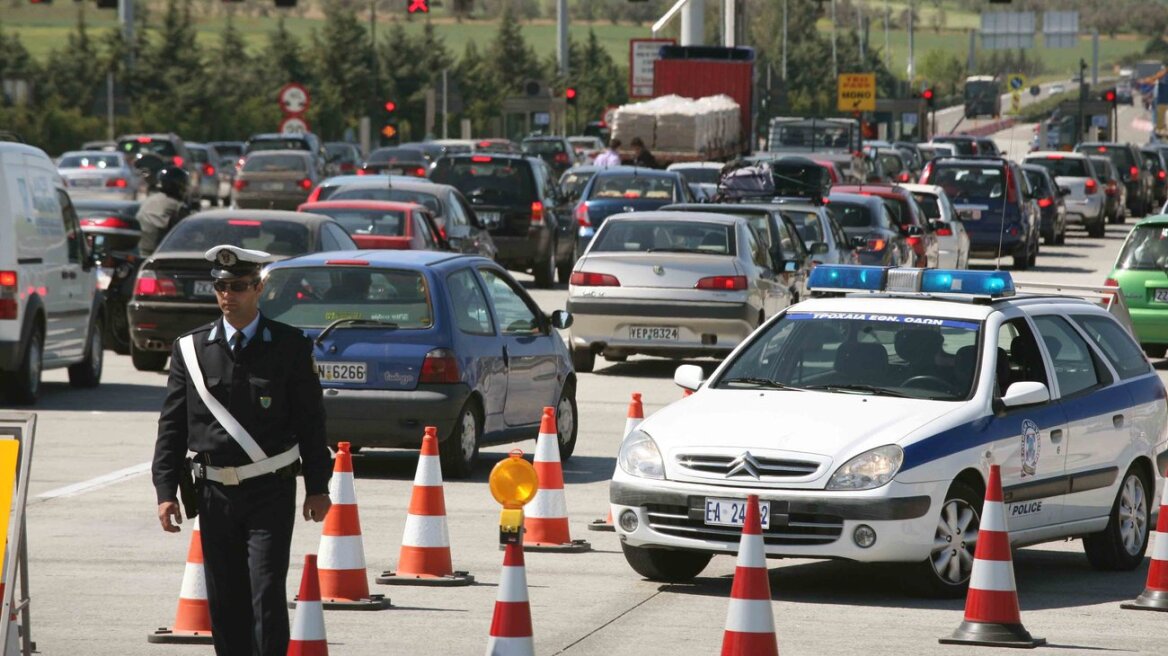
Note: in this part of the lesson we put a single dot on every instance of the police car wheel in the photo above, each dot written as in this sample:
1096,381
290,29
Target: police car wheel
1121,546
945,573
459,452
665,565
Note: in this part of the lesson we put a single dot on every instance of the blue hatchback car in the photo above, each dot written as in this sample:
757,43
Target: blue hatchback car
408,339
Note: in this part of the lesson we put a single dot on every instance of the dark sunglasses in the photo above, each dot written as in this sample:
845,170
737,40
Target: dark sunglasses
236,286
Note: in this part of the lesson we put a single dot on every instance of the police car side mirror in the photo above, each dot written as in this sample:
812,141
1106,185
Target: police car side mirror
688,376
1025,392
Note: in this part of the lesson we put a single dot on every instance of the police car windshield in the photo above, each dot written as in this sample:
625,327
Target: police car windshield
863,353
314,297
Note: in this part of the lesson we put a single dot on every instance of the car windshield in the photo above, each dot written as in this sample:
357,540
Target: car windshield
314,297
1066,167
275,237
1104,169
632,187
488,180
967,183
274,164
390,223
666,237
929,203
573,182
277,144
198,155
850,215
1146,248
544,147
700,175
862,353
394,155
389,194
807,224
90,162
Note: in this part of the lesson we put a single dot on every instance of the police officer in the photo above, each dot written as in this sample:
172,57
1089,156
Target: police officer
243,395
163,209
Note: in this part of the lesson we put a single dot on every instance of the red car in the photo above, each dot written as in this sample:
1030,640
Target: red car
381,224
908,214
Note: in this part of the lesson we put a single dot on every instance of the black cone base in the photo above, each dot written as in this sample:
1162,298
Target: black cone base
993,635
1149,600
449,581
166,636
601,525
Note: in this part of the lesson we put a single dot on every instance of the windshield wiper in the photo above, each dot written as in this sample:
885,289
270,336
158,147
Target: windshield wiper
351,322
873,389
759,382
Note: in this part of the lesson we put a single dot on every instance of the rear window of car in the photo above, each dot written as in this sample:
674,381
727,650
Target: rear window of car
930,204
489,180
271,236
970,182
314,297
632,186
1119,155
392,155
1038,182
277,144
160,147
90,162
963,146
851,215
1152,160
1104,168
544,147
228,150
389,223
274,164
198,155
573,182
700,175
1146,248
429,201
1067,167
666,237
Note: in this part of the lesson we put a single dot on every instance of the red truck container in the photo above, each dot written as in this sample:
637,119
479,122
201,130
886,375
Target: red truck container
699,71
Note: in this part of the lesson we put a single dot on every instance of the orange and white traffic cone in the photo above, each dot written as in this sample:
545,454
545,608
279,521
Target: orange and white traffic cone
992,617
750,623
192,622
1155,594
633,418
545,521
425,550
344,583
511,624
307,638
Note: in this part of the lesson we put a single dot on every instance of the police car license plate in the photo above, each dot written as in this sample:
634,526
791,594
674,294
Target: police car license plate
1161,296
732,512
653,333
341,372
204,288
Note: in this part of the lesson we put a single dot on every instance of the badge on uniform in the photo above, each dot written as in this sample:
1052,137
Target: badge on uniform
265,402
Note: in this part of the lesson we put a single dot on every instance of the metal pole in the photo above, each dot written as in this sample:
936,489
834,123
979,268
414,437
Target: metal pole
834,59
785,40
1095,57
445,100
887,47
911,52
562,36
693,27
729,24
375,82
860,32
126,16
109,105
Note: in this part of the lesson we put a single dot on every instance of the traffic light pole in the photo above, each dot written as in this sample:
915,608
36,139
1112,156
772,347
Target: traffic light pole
126,18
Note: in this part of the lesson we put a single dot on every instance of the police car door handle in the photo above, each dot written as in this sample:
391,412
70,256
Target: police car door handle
1056,436
1117,421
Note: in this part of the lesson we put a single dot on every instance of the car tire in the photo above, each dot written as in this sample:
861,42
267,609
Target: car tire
1033,259
24,386
1097,230
583,359
564,269
459,452
1154,350
939,576
1121,546
148,360
665,565
1022,261
567,421
545,272
117,329
87,373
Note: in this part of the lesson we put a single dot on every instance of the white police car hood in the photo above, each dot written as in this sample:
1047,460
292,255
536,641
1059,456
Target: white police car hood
796,439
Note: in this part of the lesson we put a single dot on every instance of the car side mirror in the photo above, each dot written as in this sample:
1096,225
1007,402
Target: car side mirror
818,248
561,319
1026,392
913,231
688,376
1064,191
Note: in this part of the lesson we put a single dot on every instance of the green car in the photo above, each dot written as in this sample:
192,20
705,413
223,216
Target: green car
1141,272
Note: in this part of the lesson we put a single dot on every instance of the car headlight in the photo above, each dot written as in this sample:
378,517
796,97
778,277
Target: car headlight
868,470
640,457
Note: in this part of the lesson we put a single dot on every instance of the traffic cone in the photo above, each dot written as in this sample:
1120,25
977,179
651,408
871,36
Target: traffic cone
307,638
425,551
192,622
511,624
634,417
750,623
341,562
545,521
1155,594
992,617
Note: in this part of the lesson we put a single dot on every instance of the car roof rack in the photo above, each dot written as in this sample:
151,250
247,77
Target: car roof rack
1111,298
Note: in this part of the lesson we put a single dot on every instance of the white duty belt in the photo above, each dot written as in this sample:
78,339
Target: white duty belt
261,464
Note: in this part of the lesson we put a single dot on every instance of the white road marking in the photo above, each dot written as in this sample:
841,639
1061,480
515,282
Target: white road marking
92,484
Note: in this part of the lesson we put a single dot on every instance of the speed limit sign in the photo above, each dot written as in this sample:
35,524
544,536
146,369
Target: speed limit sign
293,125
293,99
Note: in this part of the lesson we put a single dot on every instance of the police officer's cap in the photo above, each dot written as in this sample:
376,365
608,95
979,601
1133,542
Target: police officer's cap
236,262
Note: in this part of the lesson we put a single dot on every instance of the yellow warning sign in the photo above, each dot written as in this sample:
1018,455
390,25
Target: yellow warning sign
9,450
857,92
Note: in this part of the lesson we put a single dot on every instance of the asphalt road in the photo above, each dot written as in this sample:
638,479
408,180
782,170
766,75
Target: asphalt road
104,574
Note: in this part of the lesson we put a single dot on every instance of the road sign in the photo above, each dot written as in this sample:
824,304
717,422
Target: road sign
908,118
1016,82
293,125
856,92
1099,121
293,99
643,53
1015,102
1035,90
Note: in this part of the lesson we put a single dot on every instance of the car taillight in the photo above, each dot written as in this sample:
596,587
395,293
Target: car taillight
249,223
1052,156
116,183
722,283
1011,193
420,172
362,172
915,243
926,173
944,232
314,196
1111,282
588,279
536,213
875,244
105,222
1134,172
306,184
1045,202
582,219
208,170
561,158
1090,186
8,294
178,161
480,159
347,167
439,366
904,177
151,284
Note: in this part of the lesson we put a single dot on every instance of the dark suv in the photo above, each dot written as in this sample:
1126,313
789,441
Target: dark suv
518,201
993,200
1130,164
149,153
556,151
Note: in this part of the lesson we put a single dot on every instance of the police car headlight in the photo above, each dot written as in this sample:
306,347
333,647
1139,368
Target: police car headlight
640,457
868,470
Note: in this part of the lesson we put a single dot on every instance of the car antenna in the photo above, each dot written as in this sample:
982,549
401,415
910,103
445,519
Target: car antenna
1002,227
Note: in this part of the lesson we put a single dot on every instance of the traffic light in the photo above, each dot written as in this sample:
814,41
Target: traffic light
416,6
1109,96
42,2
389,131
570,95
390,106
930,97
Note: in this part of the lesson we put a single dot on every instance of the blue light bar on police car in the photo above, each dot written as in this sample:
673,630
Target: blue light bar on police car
846,277
979,283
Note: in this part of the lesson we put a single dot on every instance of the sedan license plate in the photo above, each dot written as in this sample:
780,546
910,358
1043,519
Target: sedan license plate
732,512
341,372
204,288
489,219
654,333
969,215
1161,295
273,186
85,182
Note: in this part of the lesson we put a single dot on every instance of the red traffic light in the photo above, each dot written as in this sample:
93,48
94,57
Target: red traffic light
570,93
927,94
1109,95
390,105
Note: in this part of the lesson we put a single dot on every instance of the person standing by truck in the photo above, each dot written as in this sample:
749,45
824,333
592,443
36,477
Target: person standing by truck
641,155
610,157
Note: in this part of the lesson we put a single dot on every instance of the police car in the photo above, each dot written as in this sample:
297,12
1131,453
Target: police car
866,420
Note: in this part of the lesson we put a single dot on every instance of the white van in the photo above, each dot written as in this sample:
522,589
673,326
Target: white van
50,308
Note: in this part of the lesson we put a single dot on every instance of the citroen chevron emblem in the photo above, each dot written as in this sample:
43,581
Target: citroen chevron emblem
743,464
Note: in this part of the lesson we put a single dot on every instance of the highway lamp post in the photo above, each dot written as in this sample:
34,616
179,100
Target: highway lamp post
834,58
785,41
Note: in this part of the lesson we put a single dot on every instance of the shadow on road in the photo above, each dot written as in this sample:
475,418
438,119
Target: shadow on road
107,397
401,464
652,368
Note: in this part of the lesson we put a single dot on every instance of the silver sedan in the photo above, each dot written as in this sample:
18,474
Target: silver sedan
671,284
99,174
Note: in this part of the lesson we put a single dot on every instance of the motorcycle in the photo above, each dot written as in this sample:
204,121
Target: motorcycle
119,290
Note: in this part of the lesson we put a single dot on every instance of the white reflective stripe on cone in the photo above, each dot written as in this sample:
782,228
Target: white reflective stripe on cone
341,552
194,583
510,647
994,575
426,531
1160,545
429,473
547,504
547,448
341,490
993,518
512,585
308,623
751,552
750,616
631,424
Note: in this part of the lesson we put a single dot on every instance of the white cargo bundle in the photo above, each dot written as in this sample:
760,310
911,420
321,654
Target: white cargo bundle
676,124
